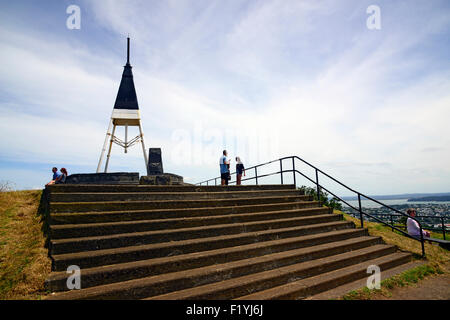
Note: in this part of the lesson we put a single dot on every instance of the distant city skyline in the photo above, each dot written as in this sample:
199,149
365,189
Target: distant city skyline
262,79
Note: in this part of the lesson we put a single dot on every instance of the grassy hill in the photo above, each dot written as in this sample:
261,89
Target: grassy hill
435,254
24,264
437,260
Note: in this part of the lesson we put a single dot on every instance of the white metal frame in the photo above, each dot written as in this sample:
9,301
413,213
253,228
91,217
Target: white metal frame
125,118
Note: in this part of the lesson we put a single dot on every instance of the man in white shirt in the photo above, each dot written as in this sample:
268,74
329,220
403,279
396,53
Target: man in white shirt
224,168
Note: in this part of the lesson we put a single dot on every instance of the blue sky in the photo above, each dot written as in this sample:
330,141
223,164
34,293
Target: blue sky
263,79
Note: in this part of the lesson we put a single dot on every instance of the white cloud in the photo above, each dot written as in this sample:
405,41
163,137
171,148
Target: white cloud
265,79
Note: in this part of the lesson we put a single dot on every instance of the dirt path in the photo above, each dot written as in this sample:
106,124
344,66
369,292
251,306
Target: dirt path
432,288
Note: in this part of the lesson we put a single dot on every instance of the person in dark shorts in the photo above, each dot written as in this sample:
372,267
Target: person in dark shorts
224,168
239,170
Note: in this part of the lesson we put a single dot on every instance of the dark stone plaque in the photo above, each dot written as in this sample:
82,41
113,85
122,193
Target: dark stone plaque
155,165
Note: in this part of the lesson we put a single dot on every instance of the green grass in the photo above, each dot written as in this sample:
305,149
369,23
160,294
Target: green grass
436,262
438,235
404,279
24,264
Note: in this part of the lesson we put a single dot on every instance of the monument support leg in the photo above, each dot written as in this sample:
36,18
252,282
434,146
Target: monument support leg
109,150
108,133
143,148
126,137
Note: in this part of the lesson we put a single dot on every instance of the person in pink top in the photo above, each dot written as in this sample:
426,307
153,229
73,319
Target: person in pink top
413,226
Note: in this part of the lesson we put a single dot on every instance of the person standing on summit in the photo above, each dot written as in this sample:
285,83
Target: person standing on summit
239,170
224,168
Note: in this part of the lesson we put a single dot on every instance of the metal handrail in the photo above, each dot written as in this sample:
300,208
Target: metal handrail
320,187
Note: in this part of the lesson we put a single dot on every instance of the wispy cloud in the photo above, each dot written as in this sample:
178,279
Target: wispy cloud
262,78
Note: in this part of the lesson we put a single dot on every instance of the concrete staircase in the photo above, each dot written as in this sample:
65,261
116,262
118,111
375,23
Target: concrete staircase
208,242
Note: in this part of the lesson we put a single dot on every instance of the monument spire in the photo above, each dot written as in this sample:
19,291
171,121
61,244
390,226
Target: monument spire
128,51
126,96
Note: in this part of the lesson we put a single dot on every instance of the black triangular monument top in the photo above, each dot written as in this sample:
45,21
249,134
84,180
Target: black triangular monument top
126,97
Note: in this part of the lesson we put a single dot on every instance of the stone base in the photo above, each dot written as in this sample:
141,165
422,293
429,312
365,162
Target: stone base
104,178
162,179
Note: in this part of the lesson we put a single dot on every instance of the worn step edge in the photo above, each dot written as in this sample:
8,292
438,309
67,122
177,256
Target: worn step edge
303,288
239,286
152,196
108,228
340,291
59,246
159,188
141,252
144,268
62,218
111,205
163,283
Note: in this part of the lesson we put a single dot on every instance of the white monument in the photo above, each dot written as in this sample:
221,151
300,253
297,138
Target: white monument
125,114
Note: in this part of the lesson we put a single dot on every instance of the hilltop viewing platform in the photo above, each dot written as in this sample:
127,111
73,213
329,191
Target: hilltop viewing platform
225,159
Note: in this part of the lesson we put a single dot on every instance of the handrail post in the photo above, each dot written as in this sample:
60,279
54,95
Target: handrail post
443,227
281,170
392,222
318,187
360,211
293,171
256,175
422,240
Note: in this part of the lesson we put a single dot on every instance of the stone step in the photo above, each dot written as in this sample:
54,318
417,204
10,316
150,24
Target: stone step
234,287
133,215
95,258
160,188
304,288
106,228
338,292
338,240
203,242
152,196
168,204
213,282
72,245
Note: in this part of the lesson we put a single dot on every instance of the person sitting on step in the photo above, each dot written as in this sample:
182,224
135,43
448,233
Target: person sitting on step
63,176
56,176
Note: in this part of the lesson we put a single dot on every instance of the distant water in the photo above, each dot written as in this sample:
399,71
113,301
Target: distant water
371,204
